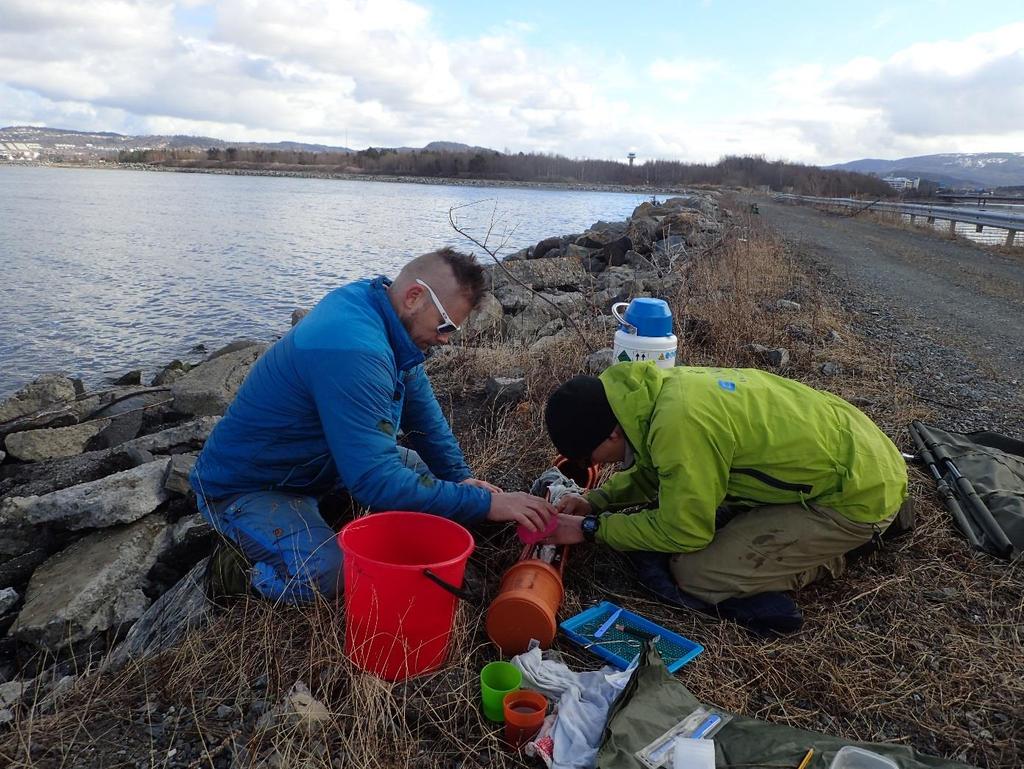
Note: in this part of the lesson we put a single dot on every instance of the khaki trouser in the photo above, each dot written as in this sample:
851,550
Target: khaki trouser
771,548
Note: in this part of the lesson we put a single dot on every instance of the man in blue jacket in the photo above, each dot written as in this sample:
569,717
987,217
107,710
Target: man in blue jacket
322,408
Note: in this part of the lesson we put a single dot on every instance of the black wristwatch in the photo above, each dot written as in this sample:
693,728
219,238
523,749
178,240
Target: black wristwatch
590,524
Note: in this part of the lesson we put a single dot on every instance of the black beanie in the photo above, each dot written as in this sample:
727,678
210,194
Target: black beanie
579,417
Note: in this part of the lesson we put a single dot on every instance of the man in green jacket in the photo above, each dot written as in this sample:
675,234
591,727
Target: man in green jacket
754,483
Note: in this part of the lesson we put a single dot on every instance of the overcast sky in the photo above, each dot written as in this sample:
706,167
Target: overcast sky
818,82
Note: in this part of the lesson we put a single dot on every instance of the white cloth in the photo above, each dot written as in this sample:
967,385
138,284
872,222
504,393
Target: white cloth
582,703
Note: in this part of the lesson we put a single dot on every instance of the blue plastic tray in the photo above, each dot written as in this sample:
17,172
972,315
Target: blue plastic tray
675,650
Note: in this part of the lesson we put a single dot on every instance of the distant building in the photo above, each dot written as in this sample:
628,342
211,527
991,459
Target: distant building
901,183
19,151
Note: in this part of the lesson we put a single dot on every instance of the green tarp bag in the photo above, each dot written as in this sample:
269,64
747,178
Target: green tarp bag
993,466
653,702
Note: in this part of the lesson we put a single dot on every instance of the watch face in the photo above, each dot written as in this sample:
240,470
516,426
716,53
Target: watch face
589,525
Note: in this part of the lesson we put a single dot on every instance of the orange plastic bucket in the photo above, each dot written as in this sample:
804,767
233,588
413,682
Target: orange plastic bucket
528,600
403,572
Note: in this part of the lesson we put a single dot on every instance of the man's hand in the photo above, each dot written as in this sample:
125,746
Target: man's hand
525,509
482,485
569,531
574,504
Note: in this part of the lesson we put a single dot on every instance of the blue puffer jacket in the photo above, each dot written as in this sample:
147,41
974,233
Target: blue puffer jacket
325,404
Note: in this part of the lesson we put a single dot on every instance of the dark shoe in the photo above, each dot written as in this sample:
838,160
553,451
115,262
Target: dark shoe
903,523
765,614
654,575
227,573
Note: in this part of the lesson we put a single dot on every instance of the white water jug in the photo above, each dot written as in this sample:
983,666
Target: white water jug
645,332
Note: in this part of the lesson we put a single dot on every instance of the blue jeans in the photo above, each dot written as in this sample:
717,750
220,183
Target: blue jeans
293,552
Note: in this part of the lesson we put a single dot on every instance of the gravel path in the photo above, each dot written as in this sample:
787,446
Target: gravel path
954,311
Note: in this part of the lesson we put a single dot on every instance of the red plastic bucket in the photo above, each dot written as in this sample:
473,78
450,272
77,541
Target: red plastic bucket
403,572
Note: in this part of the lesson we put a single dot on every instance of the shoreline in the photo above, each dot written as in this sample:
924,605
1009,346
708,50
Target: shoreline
638,189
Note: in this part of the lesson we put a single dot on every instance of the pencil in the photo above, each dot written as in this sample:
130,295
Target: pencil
807,759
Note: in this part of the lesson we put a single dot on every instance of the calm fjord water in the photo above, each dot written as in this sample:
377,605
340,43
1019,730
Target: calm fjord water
105,271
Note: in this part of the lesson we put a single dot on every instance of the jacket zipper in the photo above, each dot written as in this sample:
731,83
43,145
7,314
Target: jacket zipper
800,488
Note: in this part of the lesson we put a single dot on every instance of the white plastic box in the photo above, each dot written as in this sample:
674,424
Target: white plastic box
858,758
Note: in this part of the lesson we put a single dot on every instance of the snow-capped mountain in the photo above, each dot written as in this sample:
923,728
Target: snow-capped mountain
976,169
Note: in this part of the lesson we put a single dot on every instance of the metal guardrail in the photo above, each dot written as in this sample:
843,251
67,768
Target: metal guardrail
1011,221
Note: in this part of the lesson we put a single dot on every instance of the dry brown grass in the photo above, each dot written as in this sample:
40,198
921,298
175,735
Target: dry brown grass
920,644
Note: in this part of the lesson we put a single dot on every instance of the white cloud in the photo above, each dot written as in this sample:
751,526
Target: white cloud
380,73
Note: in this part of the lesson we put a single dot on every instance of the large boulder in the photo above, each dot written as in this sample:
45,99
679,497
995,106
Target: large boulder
126,412
92,586
119,498
545,247
614,251
561,273
53,442
485,318
185,436
47,390
38,478
642,232
684,222
526,320
209,388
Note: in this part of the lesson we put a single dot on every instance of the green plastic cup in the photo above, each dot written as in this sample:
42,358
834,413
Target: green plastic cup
496,680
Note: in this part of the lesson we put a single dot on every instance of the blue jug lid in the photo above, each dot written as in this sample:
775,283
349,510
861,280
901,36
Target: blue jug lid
651,317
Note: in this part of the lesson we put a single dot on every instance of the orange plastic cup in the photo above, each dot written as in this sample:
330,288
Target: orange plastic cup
524,716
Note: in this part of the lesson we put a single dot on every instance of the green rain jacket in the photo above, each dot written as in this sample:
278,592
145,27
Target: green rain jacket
707,436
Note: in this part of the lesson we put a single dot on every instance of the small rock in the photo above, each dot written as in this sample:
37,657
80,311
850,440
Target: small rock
258,707
261,681
138,456
546,343
176,476
833,337
172,372
63,686
12,692
505,391
224,712
6,716
786,304
298,314
8,598
131,378
942,594
862,401
830,369
598,361
799,332
772,356
303,710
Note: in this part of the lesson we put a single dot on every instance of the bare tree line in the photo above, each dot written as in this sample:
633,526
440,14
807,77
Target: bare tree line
739,171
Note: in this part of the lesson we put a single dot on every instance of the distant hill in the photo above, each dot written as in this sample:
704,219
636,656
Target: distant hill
978,169
86,144
439,147
51,142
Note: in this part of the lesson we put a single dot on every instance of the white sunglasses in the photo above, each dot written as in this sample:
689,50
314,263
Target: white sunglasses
449,326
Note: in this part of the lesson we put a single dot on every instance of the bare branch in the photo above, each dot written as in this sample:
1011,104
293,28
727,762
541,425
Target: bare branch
493,253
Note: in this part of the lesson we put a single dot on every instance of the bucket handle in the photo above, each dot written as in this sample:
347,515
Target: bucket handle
622,321
458,592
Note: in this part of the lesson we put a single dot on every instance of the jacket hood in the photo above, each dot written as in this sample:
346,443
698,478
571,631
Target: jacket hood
632,389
